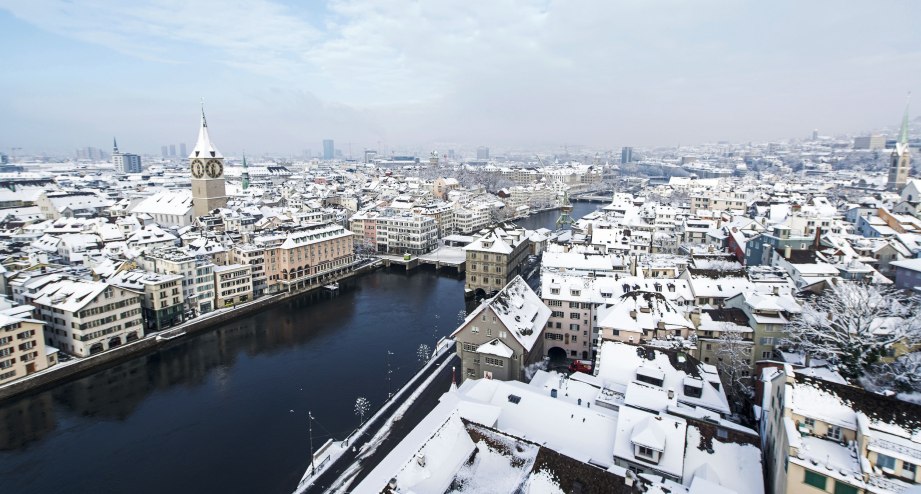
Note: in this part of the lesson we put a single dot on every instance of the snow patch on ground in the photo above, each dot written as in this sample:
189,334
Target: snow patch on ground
500,468
543,482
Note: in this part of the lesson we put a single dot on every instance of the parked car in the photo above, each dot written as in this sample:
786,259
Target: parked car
581,366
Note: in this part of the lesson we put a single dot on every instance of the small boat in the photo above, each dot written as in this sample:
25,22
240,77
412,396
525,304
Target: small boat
333,287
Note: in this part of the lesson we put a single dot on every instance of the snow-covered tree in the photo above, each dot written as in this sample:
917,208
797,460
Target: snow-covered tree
362,407
734,355
902,375
853,325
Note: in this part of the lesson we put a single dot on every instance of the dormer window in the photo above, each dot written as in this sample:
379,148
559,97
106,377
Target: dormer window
648,453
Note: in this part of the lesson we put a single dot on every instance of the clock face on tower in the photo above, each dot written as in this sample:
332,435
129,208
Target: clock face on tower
198,168
214,168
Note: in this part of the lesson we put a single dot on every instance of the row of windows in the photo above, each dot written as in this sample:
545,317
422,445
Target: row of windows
108,307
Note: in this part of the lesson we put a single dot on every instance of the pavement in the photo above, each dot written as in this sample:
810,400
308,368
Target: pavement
425,402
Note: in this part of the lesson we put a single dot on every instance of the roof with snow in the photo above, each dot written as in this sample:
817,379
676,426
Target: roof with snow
204,148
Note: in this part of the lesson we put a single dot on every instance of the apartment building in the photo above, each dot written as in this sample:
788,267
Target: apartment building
197,276
495,258
162,304
402,232
253,255
470,218
824,437
22,347
233,284
504,335
364,225
307,256
768,315
87,317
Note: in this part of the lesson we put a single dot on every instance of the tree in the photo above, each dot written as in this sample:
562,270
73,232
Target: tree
902,375
423,353
362,407
734,355
853,325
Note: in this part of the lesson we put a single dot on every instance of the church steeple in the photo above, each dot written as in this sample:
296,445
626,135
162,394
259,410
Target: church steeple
899,164
245,173
204,148
114,145
207,168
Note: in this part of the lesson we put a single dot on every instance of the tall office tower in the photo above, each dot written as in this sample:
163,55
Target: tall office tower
172,150
370,155
207,167
164,151
329,149
125,162
182,149
482,153
626,154
815,134
899,164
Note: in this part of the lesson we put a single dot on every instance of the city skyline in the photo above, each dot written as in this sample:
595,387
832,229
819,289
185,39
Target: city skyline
281,78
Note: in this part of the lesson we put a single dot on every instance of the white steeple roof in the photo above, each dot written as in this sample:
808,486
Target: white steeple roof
204,148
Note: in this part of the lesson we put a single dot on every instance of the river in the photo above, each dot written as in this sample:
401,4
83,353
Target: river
226,410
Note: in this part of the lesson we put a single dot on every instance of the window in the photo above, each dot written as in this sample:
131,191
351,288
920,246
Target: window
488,331
644,451
557,313
834,432
494,362
474,329
575,315
615,332
909,470
767,341
810,422
766,355
841,488
815,480
884,461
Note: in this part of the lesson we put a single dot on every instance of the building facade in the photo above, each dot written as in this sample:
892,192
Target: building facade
87,317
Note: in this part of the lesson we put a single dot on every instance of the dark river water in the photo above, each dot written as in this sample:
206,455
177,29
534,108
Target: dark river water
226,410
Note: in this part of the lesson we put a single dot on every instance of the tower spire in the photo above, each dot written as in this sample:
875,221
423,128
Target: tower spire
204,122
903,133
114,145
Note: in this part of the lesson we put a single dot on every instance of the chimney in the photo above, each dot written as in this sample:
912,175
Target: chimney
671,393
818,238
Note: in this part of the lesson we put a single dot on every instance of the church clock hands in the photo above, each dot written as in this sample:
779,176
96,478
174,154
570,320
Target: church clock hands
198,168
214,168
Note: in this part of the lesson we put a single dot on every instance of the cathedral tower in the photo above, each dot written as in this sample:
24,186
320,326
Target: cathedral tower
207,167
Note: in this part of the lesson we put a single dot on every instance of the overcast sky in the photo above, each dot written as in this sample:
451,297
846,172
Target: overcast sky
280,77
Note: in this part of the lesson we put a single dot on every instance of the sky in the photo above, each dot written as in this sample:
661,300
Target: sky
281,76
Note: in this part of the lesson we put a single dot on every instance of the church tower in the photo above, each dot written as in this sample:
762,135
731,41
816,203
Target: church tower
207,167
899,164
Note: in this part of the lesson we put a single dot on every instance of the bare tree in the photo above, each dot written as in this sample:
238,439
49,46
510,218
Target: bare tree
734,355
423,353
853,325
362,407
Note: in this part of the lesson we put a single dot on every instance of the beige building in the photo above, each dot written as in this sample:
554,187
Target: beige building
162,304
233,284
308,256
87,317
22,347
495,258
504,335
253,255
824,437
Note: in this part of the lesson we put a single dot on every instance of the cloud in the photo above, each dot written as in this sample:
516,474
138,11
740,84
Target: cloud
515,71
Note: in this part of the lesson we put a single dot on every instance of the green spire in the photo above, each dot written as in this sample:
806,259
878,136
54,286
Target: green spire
245,173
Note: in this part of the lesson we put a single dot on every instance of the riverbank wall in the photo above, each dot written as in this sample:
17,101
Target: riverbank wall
76,368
